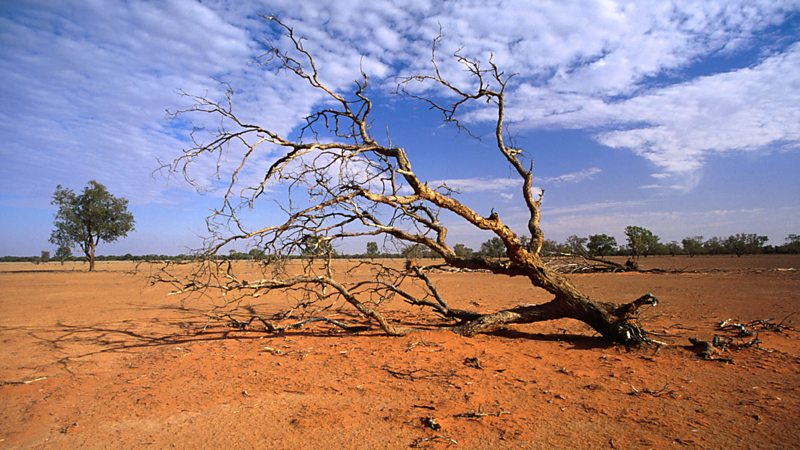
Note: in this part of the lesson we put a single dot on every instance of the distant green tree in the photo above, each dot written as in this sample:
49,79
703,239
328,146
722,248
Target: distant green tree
493,248
256,254
641,241
45,256
601,244
372,250
550,247
693,246
233,254
576,245
714,246
673,248
744,244
462,251
792,244
416,251
87,218
63,253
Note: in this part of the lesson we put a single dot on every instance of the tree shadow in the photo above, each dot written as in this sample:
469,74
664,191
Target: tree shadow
71,343
578,341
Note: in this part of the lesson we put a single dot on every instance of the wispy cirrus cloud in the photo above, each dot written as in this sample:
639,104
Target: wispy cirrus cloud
94,79
84,85
84,89
572,177
747,110
482,184
479,184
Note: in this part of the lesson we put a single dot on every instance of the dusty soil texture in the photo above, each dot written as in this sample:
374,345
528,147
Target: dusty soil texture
104,360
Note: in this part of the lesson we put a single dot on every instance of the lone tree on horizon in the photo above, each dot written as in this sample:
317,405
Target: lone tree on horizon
87,218
641,241
342,181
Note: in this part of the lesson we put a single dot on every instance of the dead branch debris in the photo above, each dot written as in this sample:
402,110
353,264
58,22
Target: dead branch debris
66,428
575,263
19,382
417,374
430,407
652,392
480,414
473,362
754,326
420,442
568,263
737,338
246,325
416,344
430,422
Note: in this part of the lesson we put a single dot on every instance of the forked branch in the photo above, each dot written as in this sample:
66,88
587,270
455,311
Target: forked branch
344,184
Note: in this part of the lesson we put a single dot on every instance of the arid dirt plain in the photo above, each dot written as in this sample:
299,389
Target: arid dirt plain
105,360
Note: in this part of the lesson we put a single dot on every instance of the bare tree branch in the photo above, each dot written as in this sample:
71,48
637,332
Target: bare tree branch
344,183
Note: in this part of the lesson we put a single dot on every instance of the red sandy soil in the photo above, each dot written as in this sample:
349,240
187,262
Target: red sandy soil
112,362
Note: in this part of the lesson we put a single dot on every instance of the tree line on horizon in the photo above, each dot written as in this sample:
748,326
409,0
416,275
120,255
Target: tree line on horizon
84,219
640,242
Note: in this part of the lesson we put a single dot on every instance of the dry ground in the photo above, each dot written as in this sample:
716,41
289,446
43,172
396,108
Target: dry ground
113,362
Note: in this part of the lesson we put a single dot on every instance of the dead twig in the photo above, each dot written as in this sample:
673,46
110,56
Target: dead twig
418,443
652,392
479,414
424,374
430,407
33,380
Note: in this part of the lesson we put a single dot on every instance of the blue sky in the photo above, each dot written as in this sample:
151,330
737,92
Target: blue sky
682,118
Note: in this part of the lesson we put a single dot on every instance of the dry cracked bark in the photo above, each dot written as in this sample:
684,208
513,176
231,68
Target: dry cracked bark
341,182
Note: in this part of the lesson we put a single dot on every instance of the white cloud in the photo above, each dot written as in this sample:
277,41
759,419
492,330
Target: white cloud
482,184
84,89
473,185
84,85
572,177
744,110
590,207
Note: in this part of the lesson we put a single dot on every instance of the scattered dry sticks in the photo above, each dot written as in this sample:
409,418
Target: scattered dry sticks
431,423
753,327
710,350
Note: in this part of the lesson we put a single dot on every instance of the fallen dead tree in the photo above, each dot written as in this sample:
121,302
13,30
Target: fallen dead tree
342,182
